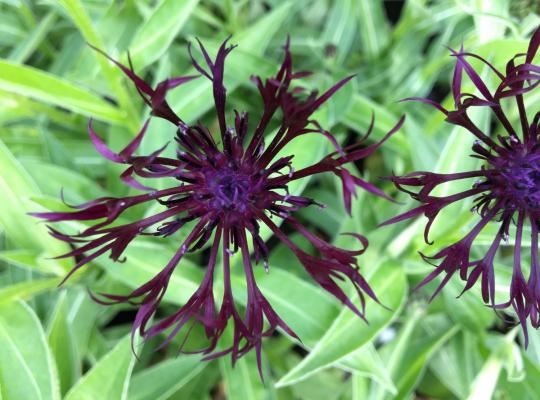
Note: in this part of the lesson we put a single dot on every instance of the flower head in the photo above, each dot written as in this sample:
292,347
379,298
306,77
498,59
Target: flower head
506,189
229,186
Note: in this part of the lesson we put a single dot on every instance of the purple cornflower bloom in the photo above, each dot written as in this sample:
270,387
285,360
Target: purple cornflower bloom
229,188
506,189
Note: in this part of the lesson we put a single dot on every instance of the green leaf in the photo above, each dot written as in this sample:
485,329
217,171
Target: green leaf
32,261
348,333
25,290
160,381
506,354
366,362
373,26
82,316
16,184
52,179
40,85
485,382
158,32
457,362
407,358
27,370
25,49
467,310
109,378
63,344
242,381
144,260
195,97
358,117
528,388
310,311
306,308
77,13
16,187
340,27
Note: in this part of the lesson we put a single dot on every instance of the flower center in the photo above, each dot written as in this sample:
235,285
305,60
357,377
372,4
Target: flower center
522,178
230,189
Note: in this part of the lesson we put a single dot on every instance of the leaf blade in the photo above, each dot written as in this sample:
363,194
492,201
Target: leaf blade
27,370
48,88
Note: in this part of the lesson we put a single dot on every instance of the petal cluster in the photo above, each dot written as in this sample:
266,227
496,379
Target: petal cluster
505,190
228,184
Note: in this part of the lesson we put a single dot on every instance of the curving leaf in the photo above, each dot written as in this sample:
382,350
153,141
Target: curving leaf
25,290
243,381
407,357
27,370
109,378
62,343
77,12
16,187
195,98
160,381
348,333
32,261
31,82
306,308
158,32
146,259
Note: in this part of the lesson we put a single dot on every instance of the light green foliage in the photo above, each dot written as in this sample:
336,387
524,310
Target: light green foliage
55,343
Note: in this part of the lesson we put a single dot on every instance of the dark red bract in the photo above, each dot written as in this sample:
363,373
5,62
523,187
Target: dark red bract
506,189
230,186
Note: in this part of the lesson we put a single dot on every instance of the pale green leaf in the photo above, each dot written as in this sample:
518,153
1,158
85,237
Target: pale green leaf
16,187
26,289
348,333
81,19
195,97
160,381
109,378
63,345
31,82
157,33
144,260
27,369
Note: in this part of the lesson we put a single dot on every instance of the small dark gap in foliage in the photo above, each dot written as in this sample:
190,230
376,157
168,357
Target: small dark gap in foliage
86,366
350,139
78,257
493,125
393,10
439,92
522,8
504,324
428,43
347,376
330,50
215,11
110,100
63,109
299,350
122,317
160,313
272,243
218,392
204,258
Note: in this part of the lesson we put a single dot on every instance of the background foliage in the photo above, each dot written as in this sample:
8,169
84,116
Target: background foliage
56,343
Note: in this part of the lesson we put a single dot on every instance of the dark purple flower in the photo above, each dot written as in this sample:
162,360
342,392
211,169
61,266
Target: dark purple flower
506,189
230,187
